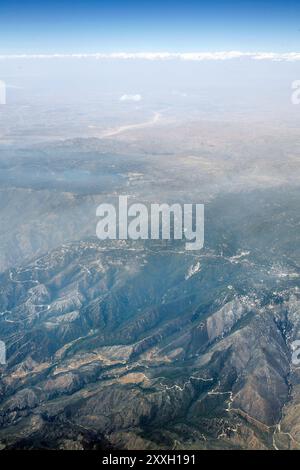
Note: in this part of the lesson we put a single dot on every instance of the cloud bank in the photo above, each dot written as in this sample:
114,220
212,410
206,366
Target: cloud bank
135,98
184,56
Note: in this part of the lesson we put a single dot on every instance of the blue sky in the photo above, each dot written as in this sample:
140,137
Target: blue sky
105,26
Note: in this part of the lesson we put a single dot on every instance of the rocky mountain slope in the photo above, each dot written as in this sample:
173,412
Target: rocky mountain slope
145,345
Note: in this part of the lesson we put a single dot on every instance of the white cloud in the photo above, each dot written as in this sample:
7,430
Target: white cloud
185,56
135,98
